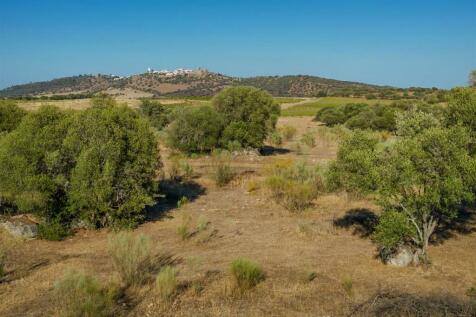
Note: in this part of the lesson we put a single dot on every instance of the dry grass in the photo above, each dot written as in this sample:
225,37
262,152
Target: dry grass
251,226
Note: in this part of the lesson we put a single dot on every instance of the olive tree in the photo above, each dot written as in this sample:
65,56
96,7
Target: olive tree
425,178
250,114
10,116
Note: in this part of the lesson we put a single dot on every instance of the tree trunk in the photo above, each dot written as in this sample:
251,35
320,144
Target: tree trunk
428,227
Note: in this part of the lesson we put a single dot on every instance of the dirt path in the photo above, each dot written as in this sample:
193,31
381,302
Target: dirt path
304,101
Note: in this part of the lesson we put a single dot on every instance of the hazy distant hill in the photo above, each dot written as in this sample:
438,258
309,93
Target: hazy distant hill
203,83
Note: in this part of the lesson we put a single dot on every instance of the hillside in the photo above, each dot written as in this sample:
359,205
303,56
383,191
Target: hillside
204,83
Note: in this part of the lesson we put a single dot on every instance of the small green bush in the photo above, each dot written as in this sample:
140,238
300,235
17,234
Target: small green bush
294,186
222,172
166,282
132,256
288,132
246,274
275,138
53,230
309,139
78,294
183,230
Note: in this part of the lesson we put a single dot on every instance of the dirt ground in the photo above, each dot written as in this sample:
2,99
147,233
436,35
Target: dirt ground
331,239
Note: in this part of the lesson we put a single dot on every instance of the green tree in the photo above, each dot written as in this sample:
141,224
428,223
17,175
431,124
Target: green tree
157,113
10,116
249,114
462,108
195,129
427,178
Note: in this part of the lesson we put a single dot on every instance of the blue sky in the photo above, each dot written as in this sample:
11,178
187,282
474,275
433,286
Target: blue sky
400,43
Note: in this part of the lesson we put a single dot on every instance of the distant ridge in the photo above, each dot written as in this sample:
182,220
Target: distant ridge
202,83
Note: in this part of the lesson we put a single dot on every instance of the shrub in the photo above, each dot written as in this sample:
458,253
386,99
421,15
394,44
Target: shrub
182,202
354,170
348,285
413,122
183,230
275,138
250,114
246,274
166,282
309,139
53,230
97,165
202,223
288,132
195,130
132,256
331,116
79,294
157,114
294,186
10,116
222,172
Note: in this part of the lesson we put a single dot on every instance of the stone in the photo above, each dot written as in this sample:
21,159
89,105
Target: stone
20,226
402,258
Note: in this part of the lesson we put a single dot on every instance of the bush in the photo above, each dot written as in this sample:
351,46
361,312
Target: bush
10,116
97,165
392,230
250,114
156,113
53,230
246,274
288,132
132,256
309,139
183,230
195,130
354,170
294,186
275,138
413,122
79,295
331,116
462,108
222,172
166,282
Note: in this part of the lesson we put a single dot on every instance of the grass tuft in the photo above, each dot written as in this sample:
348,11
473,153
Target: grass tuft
246,274
166,282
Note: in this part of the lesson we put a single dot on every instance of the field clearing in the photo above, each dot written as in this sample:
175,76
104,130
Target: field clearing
311,108
330,240
79,104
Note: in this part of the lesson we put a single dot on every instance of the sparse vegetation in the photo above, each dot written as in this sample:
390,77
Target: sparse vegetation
132,256
246,274
293,185
183,230
79,294
222,172
166,282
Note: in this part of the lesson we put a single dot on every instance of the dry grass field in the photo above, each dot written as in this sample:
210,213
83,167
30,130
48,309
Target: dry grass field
320,262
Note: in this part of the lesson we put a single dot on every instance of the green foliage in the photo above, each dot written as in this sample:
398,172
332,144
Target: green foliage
275,138
462,109
53,230
78,294
250,114
132,256
246,274
331,116
427,178
354,170
288,132
222,172
413,122
10,116
293,185
96,165
157,114
195,130
166,282
393,229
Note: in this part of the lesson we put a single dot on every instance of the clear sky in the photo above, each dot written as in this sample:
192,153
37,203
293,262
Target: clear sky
392,42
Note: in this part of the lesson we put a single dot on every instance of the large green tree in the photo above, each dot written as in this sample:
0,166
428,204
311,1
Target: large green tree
10,116
250,114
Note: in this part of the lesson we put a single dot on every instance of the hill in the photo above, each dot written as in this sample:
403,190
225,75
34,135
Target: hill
204,83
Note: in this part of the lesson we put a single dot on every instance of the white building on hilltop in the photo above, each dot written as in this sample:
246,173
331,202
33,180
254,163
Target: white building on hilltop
170,73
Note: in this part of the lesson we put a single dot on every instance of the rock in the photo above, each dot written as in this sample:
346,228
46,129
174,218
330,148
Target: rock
402,258
79,224
20,226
